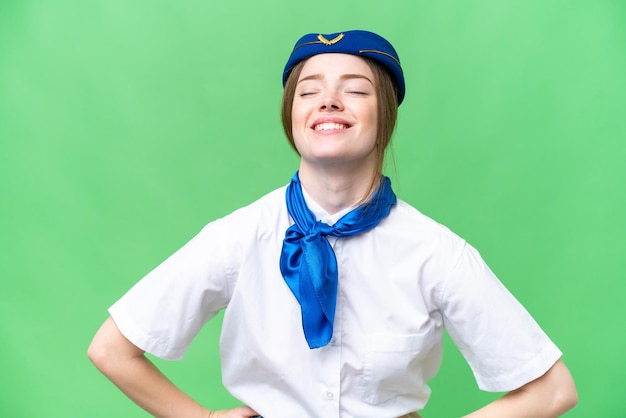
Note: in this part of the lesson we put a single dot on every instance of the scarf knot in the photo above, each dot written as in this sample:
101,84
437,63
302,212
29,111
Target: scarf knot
308,263
318,228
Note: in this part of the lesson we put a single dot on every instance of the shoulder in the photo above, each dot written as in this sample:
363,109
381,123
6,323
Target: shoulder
264,214
410,225
272,202
415,242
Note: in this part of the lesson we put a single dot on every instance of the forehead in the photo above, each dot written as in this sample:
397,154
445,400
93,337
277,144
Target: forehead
336,64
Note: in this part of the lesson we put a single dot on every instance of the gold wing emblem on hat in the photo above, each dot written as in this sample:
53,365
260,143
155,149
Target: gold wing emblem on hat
333,41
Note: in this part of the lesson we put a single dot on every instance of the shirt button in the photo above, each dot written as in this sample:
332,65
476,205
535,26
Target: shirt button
329,396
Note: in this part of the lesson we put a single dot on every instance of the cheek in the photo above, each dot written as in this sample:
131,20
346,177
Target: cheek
296,128
295,124
298,119
372,118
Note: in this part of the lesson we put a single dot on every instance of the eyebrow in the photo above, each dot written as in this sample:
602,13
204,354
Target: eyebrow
342,77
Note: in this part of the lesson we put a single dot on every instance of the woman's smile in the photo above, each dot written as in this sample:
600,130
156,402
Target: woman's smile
330,124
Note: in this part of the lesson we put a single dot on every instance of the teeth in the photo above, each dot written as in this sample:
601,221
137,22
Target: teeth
329,126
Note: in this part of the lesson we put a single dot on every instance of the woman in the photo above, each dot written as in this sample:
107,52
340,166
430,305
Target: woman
335,292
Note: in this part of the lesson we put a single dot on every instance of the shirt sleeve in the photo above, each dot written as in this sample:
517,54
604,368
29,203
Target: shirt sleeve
502,343
164,311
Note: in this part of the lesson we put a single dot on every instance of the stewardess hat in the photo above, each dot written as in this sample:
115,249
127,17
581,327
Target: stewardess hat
355,42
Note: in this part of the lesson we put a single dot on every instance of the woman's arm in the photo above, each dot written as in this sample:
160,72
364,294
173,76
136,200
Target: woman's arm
549,396
129,369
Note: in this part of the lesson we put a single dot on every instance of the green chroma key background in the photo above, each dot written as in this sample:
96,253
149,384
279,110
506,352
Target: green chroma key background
126,126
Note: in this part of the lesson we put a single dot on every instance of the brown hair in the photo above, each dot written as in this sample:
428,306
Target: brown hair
386,93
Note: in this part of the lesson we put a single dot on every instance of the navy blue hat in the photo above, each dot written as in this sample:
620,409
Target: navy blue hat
355,42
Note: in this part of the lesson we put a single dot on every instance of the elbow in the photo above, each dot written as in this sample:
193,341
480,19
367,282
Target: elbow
564,396
554,393
103,350
110,351
107,359
565,399
559,383
97,354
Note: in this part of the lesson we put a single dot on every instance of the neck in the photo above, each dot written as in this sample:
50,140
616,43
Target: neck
335,189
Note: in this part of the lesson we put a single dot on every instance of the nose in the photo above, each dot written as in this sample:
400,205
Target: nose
330,102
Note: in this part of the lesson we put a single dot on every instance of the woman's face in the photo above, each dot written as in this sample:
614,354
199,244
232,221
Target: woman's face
334,113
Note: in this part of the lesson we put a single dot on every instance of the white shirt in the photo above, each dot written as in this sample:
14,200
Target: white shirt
400,284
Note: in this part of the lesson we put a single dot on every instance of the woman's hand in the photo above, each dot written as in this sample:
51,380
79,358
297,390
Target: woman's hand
240,412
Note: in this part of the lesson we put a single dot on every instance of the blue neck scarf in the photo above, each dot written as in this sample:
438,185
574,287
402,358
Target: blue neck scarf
308,262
